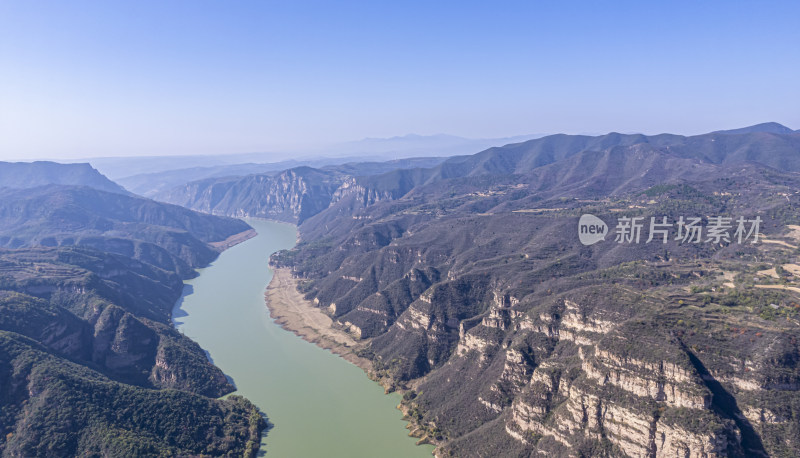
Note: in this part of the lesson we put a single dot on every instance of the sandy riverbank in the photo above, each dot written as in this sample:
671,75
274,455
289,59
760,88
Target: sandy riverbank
293,312
233,240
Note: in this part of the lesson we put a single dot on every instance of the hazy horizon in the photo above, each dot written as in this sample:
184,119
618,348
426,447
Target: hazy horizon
92,79
323,151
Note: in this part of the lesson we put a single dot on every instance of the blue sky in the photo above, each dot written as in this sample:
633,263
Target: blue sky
100,78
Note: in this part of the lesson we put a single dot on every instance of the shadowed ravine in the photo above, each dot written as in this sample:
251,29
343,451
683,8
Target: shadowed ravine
725,403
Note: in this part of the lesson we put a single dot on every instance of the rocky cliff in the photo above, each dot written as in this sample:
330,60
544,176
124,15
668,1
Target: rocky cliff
473,295
89,361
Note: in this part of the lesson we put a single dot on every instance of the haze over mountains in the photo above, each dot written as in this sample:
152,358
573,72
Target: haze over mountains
166,236
768,127
368,149
23,175
466,284
461,279
251,195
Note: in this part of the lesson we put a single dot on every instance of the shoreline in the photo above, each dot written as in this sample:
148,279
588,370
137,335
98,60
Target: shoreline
294,313
233,240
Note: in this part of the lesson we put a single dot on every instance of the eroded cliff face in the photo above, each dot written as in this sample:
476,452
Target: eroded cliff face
472,293
611,394
108,312
573,377
556,376
293,195
598,370
363,195
88,280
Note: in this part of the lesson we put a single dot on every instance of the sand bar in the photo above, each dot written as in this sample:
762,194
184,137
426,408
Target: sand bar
293,312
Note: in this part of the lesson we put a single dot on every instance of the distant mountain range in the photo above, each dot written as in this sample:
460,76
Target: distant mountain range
24,175
462,281
151,184
289,195
167,236
767,127
366,150
465,285
420,145
267,195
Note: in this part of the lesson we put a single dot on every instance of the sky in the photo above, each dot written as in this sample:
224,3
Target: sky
118,78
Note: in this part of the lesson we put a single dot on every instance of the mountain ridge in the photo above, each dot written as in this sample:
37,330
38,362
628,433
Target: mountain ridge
24,175
90,363
767,127
769,149
466,287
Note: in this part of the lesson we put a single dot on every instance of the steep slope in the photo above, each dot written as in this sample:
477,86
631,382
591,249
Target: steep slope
298,194
289,196
471,290
292,195
775,150
166,236
53,407
24,175
109,311
89,361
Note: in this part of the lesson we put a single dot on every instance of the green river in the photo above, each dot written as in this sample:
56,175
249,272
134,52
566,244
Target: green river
320,404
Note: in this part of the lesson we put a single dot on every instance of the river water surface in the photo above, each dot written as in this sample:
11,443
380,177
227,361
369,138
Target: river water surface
320,404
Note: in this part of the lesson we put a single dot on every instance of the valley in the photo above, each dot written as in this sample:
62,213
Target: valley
399,229
458,284
306,392
517,342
